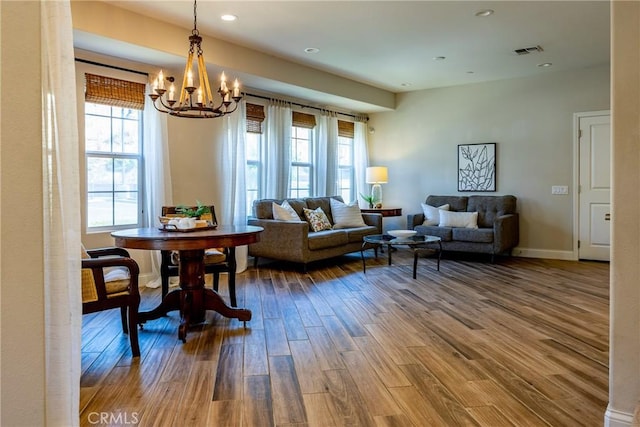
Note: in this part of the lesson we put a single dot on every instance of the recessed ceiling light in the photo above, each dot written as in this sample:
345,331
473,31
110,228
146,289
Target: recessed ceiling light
484,12
229,18
439,58
405,84
545,64
470,72
312,50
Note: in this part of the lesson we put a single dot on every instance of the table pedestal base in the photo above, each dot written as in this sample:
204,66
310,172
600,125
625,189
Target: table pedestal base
193,299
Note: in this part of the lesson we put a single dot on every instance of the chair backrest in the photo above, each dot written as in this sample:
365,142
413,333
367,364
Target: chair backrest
171,211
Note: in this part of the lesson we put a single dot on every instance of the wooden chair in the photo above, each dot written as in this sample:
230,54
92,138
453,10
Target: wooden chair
110,280
215,259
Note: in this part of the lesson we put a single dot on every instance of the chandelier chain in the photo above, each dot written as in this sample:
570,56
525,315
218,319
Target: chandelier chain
195,31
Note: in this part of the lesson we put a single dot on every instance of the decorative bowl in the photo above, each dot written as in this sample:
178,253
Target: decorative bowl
402,234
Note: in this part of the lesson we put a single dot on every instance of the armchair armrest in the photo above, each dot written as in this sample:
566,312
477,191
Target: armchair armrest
281,239
110,251
96,265
373,219
414,219
129,263
506,230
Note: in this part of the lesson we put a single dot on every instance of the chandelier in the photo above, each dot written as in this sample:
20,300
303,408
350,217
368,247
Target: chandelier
195,101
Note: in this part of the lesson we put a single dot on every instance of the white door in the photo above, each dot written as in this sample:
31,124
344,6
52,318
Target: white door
595,187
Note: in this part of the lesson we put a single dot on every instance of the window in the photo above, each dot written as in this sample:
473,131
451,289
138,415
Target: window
301,165
253,153
302,149
254,167
113,152
346,168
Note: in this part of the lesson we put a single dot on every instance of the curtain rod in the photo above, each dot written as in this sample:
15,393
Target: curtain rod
85,61
310,106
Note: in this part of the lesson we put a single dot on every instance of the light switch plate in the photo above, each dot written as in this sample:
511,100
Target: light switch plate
560,189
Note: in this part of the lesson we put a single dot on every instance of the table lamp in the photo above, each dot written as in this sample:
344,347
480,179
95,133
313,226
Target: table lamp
377,175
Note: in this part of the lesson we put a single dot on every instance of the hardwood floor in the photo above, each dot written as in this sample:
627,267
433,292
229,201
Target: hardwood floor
522,342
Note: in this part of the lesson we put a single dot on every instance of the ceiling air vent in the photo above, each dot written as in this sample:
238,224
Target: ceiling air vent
528,50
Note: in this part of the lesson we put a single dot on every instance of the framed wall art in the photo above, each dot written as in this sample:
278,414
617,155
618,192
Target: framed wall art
477,167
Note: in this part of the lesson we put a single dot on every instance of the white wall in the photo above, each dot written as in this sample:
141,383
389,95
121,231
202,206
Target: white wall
22,261
531,120
624,339
195,150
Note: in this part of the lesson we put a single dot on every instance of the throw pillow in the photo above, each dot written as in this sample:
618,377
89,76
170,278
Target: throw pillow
317,219
458,219
346,216
284,212
432,214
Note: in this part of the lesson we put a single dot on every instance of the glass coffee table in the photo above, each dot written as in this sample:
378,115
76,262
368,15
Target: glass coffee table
420,245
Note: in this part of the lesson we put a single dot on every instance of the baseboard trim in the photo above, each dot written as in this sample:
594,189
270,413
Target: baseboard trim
543,253
615,418
145,278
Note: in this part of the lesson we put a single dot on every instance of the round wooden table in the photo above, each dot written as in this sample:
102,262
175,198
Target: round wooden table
192,299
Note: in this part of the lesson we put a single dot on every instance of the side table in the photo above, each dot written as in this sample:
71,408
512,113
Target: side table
384,211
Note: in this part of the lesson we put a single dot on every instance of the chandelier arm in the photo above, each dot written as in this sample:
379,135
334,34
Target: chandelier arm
156,106
235,107
167,107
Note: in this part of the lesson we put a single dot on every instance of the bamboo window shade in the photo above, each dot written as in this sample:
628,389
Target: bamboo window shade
346,129
255,117
303,120
114,92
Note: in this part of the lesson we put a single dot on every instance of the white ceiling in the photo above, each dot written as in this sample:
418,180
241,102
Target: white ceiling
391,45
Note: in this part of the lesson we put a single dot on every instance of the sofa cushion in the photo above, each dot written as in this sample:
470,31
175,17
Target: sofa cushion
263,208
284,212
432,213
345,216
357,234
317,219
327,239
478,235
324,203
490,207
445,233
298,205
458,219
456,203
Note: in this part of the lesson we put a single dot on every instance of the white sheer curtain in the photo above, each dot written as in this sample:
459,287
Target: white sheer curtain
360,157
234,161
61,202
155,146
326,155
277,150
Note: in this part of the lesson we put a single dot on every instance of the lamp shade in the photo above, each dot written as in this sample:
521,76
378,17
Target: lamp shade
377,175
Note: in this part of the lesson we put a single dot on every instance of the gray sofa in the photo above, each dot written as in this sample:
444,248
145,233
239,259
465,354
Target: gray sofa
498,227
294,241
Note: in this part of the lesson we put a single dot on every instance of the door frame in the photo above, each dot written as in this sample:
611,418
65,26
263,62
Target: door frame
576,173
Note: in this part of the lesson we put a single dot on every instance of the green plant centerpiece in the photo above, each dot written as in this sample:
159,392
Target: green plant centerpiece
369,199
193,212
